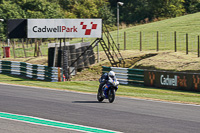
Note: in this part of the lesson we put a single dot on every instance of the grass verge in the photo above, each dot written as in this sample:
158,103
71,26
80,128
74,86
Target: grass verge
127,91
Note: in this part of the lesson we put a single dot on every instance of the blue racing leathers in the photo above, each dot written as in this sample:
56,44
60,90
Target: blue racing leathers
104,78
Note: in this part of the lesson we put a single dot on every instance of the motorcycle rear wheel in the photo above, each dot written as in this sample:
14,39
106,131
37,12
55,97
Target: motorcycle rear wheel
111,95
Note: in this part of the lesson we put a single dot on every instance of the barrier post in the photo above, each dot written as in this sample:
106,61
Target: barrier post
175,41
198,46
24,48
157,41
124,40
187,43
13,46
140,41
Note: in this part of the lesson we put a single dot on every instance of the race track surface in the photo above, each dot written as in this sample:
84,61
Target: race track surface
124,115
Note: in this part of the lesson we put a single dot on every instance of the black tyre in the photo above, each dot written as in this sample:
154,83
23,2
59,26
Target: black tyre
111,95
100,98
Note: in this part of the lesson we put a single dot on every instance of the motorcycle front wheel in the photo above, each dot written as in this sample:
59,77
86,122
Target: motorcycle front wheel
100,97
111,95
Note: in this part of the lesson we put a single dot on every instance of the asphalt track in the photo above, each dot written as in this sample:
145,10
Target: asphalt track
125,114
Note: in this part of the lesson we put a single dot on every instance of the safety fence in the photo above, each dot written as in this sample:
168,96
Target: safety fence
39,72
155,78
126,75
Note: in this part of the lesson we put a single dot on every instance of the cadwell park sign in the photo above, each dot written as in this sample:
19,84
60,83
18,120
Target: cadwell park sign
64,28
54,28
172,80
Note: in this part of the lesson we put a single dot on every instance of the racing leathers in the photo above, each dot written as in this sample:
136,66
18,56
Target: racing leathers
104,78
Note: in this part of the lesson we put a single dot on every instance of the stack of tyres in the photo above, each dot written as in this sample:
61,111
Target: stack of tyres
50,57
69,55
91,56
80,63
72,56
85,56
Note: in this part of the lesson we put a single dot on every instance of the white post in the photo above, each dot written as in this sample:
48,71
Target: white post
8,42
121,4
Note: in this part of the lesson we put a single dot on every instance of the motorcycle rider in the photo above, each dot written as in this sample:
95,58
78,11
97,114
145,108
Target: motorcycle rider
104,78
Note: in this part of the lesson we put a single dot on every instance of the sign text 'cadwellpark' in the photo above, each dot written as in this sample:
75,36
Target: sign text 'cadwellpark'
64,28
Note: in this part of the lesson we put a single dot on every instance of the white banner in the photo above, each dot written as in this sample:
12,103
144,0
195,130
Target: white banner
64,28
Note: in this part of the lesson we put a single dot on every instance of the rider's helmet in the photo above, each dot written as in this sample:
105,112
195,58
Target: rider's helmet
111,74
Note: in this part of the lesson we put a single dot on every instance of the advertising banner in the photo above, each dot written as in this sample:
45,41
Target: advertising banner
64,28
172,80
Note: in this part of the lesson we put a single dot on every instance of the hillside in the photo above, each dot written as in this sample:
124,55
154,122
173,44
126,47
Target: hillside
165,59
166,28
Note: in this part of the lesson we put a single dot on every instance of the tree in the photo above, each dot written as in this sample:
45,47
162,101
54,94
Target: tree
137,10
106,13
9,10
166,8
192,6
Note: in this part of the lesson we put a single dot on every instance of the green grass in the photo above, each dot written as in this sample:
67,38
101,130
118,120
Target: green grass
128,91
182,25
166,28
30,48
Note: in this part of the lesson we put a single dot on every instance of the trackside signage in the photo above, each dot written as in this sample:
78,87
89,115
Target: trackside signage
172,80
64,28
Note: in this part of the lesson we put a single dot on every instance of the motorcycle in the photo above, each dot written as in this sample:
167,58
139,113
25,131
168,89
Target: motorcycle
112,86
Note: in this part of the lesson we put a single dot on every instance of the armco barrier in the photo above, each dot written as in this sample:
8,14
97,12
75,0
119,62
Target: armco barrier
126,75
40,72
162,79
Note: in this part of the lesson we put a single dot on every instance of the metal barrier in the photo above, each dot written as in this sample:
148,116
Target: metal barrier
40,72
126,75
155,78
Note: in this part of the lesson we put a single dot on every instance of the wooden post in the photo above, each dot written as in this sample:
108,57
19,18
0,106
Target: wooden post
175,41
0,50
198,46
13,46
124,40
140,41
24,48
38,52
187,43
31,43
39,49
157,41
27,42
35,52
4,52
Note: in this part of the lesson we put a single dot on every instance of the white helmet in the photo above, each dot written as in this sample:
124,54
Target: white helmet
111,74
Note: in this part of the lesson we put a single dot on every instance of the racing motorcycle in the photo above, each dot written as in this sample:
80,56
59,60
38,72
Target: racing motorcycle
112,86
